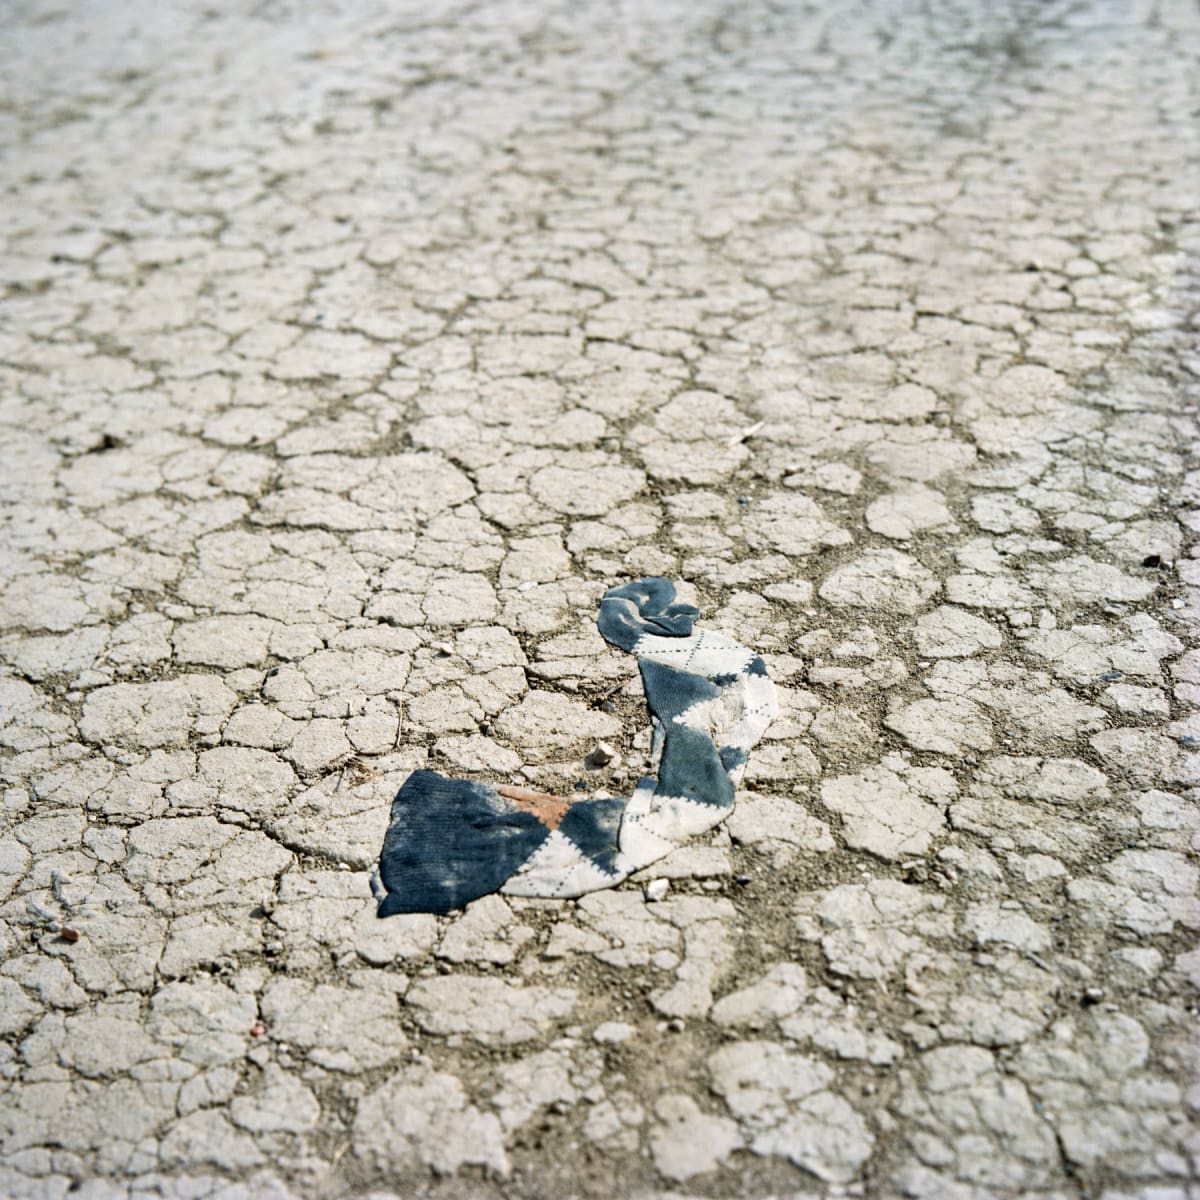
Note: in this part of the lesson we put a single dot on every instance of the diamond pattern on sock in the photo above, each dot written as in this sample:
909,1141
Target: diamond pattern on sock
710,700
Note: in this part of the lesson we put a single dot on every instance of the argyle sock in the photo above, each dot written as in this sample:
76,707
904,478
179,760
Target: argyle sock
710,700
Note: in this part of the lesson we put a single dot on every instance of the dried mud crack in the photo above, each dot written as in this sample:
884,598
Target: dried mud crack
350,354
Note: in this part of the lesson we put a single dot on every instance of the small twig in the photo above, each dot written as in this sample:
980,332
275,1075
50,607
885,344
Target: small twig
748,432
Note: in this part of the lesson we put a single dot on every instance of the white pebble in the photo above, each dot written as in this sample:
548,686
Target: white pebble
613,1032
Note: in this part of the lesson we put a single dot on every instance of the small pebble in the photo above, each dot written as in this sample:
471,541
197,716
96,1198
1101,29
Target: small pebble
656,889
601,755
613,1032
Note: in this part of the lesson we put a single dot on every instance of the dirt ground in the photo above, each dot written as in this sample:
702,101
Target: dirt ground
349,352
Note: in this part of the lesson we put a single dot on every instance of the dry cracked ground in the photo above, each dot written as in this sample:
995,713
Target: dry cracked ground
350,353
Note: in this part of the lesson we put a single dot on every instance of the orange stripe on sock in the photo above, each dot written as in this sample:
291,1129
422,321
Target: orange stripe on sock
548,809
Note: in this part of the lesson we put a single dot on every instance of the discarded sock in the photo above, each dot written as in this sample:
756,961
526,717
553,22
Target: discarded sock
710,699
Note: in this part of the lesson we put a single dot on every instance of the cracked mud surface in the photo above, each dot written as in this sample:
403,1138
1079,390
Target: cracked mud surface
349,355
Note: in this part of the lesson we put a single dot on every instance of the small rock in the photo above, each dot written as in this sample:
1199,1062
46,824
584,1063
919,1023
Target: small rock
602,755
613,1032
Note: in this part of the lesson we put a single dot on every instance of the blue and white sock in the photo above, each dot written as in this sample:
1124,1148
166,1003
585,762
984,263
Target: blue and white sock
710,700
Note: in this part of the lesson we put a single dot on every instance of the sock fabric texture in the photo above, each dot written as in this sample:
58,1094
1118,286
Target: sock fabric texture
451,841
